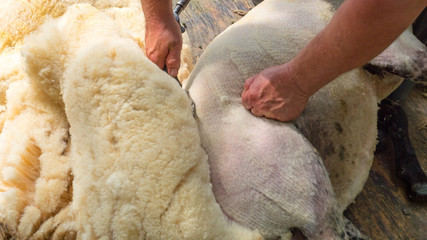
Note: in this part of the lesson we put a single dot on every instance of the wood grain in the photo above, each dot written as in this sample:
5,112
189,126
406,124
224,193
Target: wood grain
205,19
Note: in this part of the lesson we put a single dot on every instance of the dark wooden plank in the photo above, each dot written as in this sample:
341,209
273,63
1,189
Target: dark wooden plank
382,210
205,19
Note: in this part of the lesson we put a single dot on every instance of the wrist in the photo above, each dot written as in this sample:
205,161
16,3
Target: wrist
301,78
311,73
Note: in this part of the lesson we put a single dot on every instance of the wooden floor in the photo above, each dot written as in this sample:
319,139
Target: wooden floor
382,210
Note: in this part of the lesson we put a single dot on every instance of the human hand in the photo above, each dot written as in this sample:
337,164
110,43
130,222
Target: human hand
273,93
163,44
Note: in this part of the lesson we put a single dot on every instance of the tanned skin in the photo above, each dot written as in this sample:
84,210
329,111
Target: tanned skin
163,39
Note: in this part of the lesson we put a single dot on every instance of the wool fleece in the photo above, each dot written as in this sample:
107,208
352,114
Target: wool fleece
97,142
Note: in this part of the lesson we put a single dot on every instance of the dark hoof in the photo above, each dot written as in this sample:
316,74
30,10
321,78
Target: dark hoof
256,2
418,192
416,181
392,121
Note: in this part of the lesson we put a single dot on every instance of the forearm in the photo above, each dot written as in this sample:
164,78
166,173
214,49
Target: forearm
156,11
359,31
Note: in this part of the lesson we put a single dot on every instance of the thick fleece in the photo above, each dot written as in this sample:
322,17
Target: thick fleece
19,18
35,173
36,178
138,168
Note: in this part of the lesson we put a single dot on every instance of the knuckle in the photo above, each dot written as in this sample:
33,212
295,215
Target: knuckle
149,50
248,99
256,112
152,55
172,61
177,41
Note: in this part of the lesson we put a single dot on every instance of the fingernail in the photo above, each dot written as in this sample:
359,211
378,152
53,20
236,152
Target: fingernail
174,72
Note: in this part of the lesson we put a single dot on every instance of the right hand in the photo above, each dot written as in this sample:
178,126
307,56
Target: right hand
274,93
163,44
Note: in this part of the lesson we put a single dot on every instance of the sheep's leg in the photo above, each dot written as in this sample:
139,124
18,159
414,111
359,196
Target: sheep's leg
393,120
267,176
405,57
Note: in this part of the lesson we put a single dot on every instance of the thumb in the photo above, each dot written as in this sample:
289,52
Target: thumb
246,98
248,83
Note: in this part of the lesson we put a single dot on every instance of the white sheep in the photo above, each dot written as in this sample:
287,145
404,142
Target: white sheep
265,174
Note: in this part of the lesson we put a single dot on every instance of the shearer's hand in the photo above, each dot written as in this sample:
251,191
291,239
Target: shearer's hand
163,43
273,93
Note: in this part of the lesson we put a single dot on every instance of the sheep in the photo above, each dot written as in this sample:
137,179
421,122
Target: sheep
348,152
130,170
268,175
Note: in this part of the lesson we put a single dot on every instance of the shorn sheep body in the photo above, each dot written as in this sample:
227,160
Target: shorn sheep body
276,176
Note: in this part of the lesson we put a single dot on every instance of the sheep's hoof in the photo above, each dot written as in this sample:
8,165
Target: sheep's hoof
418,192
256,2
393,121
415,180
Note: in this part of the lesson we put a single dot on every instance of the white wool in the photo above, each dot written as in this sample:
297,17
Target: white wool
35,173
133,146
30,221
139,169
19,18
34,168
10,72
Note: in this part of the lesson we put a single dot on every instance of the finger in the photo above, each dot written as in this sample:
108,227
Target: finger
248,83
156,56
247,93
256,112
246,100
278,117
173,60
284,114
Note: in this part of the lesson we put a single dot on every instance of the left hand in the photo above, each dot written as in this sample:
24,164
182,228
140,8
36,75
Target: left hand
163,41
274,93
